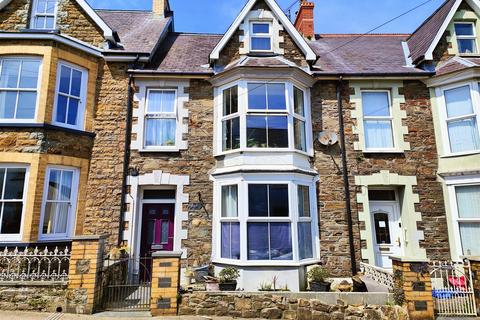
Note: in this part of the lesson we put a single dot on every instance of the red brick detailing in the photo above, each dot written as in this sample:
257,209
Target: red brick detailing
304,22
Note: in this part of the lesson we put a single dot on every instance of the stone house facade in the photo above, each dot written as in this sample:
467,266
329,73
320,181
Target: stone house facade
269,148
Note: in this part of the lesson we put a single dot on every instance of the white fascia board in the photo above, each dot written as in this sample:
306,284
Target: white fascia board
475,4
74,43
287,24
107,31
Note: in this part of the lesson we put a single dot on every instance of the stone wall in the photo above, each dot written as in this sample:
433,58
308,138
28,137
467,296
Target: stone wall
421,161
15,16
45,298
285,306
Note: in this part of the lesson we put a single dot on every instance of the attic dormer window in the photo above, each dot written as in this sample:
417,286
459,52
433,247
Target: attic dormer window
261,38
466,37
44,14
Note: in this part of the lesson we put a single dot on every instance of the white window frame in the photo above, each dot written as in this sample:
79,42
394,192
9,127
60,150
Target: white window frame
223,219
452,184
380,118
475,97
261,35
472,37
17,237
36,14
83,96
243,181
244,111
72,214
37,90
161,115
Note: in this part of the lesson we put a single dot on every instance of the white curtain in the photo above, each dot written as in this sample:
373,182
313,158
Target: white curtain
459,102
469,235
378,134
161,101
229,201
160,132
468,202
463,135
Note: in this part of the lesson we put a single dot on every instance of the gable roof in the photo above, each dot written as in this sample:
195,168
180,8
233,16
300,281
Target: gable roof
139,31
424,40
286,23
108,33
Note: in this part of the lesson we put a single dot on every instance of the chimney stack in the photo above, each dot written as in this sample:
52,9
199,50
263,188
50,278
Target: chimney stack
160,7
304,22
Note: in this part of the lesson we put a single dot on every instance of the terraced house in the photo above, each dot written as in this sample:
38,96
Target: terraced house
269,148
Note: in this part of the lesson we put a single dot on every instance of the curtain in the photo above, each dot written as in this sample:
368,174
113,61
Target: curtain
458,101
463,135
280,241
300,139
303,201
230,240
230,201
160,132
258,242
305,247
375,104
468,202
468,234
378,134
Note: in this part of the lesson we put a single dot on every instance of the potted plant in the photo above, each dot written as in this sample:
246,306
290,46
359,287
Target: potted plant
211,284
317,277
228,279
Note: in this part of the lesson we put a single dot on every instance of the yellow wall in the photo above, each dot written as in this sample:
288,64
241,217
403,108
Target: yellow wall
51,55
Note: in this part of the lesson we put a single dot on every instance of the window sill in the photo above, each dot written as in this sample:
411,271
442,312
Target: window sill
13,239
163,149
47,126
460,154
383,151
272,263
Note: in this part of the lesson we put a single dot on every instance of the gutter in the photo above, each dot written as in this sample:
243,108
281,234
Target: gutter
347,76
346,183
126,153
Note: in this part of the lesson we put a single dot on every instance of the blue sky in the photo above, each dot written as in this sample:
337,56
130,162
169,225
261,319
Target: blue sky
331,16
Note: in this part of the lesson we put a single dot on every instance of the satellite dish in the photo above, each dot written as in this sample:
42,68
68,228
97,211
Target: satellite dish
328,138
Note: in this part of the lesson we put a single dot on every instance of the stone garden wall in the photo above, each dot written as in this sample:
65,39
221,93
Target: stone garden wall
291,306
45,298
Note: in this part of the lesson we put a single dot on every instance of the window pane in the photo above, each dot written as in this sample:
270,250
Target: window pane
277,132
49,22
464,29
256,132
72,111
160,132
467,46
49,218
258,200
50,6
12,218
8,101
261,28
231,134
27,102
280,241
257,96
303,201
469,234
231,241
262,44
230,201
29,75
66,186
10,73
298,101
278,199
65,74
463,135
2,178
375,104
381,195
468,201
159,194
54,184
378,134
305,242
41,6
459,102
276,96
62,218
14,183
258,241
161,101
76,83
40,22
62,103
165,226
382,228
230,101
300,137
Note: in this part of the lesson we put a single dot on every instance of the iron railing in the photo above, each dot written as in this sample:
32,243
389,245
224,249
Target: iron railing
379,275
452,288
34,265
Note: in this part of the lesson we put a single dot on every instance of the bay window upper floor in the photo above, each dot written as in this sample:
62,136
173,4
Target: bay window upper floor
46,85
263,116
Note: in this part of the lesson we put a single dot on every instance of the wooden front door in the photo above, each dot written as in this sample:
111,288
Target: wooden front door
157,228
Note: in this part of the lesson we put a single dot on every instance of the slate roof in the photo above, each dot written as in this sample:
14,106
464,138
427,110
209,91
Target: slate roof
260,62
457,64
361,54
139,31
184,53
422,38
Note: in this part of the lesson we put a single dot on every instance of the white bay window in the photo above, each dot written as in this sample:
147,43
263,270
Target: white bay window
263,116
262,222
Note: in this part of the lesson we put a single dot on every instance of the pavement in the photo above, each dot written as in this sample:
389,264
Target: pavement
17,315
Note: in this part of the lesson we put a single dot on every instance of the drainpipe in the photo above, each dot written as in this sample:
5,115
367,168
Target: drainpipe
126,151
346,183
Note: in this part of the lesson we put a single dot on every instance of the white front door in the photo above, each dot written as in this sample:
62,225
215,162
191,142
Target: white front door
386,228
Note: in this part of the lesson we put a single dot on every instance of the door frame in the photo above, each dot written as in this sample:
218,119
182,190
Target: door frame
398,213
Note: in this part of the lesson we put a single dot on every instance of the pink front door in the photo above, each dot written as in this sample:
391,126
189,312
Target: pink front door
157,228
